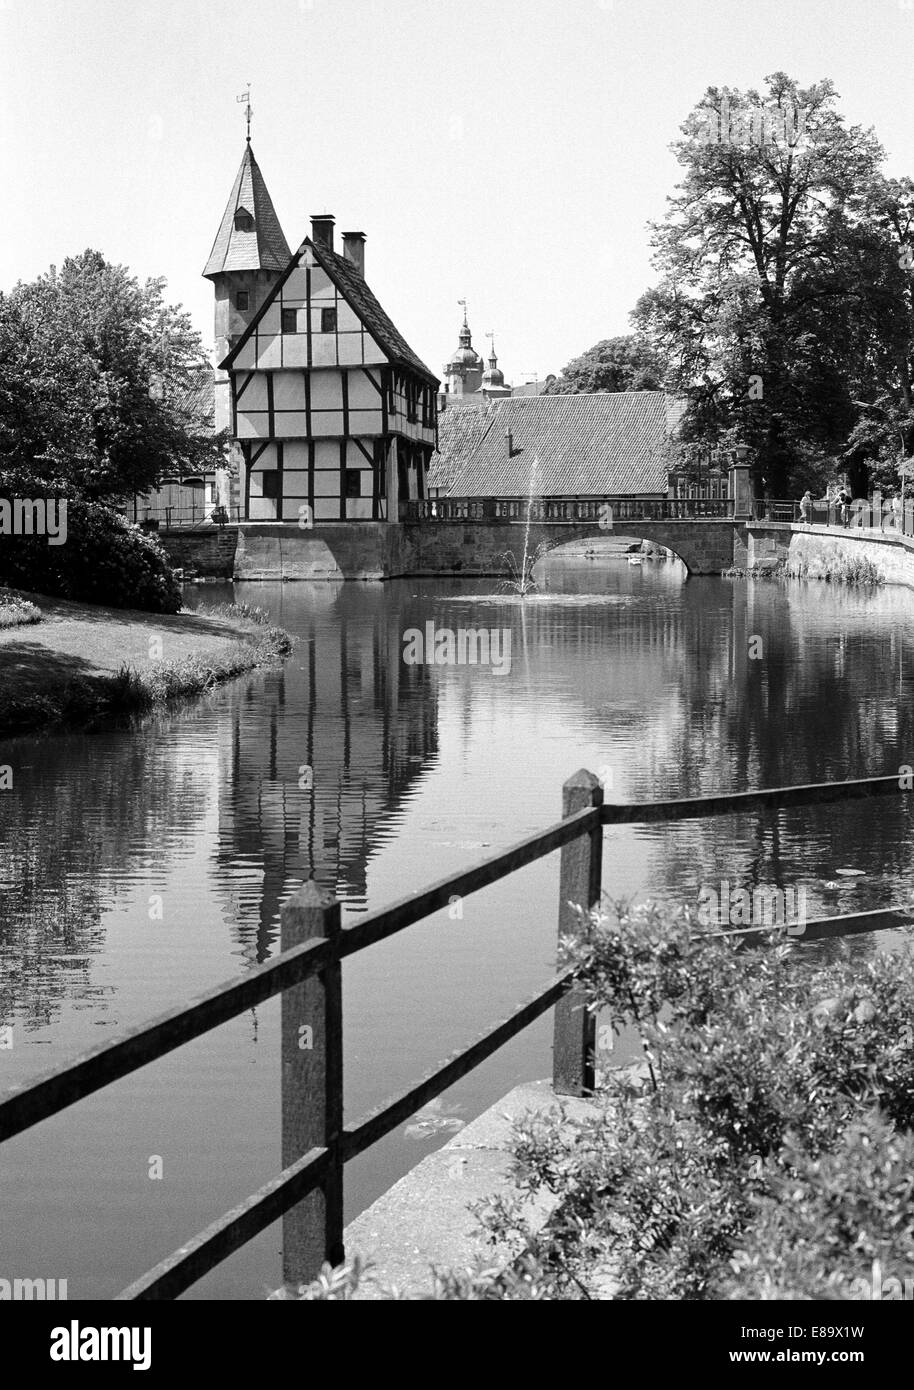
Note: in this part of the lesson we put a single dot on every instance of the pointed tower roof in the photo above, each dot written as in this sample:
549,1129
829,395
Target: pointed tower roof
493,375
249,236
465,355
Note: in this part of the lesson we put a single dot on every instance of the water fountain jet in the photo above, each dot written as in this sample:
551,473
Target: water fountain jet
521,582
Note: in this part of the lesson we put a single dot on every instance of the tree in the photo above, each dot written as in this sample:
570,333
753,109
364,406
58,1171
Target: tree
93,374
625,363
777,278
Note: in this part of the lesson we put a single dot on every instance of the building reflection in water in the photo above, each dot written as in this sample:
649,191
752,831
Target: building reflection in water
321,754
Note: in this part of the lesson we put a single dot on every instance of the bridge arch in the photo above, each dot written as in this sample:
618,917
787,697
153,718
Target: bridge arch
704,545
627,533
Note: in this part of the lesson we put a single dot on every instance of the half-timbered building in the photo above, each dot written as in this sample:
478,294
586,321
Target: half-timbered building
334,414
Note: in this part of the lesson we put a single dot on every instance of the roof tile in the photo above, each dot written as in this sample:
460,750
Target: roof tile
263,248
606,443
361,299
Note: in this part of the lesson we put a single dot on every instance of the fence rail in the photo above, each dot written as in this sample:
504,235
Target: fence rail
308,1192
870,512
177,518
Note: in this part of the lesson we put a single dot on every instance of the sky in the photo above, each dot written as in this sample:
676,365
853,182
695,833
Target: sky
510,152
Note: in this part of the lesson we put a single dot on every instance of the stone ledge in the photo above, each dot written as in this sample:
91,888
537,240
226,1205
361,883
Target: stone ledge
424,1219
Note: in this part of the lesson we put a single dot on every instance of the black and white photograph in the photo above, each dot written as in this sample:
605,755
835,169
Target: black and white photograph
457,671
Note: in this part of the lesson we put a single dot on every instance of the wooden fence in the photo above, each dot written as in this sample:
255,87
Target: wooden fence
316,1144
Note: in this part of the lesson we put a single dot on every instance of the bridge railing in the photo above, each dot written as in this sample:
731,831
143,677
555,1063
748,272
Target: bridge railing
316,1144
590,510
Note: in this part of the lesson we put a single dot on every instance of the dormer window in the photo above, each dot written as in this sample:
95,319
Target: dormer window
244,222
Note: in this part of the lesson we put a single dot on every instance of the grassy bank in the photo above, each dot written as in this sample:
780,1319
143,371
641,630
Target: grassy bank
85,663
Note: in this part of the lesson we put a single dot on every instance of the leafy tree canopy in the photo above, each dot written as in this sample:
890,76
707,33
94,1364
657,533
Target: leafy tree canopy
783,296
625,363
94,375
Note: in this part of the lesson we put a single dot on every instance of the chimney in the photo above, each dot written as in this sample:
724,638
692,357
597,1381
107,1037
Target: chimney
509,440
322,229
354,250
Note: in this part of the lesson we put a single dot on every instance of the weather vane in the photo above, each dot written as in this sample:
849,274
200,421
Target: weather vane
464,304
246,96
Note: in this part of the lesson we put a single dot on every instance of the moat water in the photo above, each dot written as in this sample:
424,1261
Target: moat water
142,865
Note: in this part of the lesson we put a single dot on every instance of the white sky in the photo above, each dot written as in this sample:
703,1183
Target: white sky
508,151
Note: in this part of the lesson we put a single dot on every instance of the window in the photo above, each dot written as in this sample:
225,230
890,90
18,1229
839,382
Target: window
244,222
271,484
412,396
290,320
353,482
242,300
328,320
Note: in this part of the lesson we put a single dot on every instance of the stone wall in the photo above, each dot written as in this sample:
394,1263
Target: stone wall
209,551
829,550
353,550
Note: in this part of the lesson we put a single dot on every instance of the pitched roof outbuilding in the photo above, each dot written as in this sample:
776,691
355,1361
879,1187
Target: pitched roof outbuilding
606,444
262,246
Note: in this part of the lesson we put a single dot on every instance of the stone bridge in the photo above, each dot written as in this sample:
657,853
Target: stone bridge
483,537
705,547
473,536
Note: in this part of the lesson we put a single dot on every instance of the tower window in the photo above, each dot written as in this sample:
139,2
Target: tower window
290,320
270,483
328,320
353,482
242,300
244,222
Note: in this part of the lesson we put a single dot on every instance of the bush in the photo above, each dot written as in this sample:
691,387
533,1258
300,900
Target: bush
764,1148
105,559
17,612
837,1226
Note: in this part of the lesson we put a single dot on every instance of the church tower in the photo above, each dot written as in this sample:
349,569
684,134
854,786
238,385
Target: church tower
463,373
493,378
248,257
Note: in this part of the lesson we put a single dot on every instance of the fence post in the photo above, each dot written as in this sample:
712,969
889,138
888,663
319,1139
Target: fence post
579,883
312,1087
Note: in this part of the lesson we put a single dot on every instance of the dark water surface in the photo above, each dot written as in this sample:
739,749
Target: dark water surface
141,867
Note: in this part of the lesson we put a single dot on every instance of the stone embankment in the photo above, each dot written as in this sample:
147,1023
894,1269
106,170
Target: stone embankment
854,554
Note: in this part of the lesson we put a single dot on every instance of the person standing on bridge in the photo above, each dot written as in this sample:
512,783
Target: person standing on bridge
806,507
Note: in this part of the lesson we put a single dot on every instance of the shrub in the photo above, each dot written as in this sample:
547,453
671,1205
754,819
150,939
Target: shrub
17,612
773,1112
836,1226
105,559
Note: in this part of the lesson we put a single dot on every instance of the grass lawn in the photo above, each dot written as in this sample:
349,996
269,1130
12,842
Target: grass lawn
84,661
